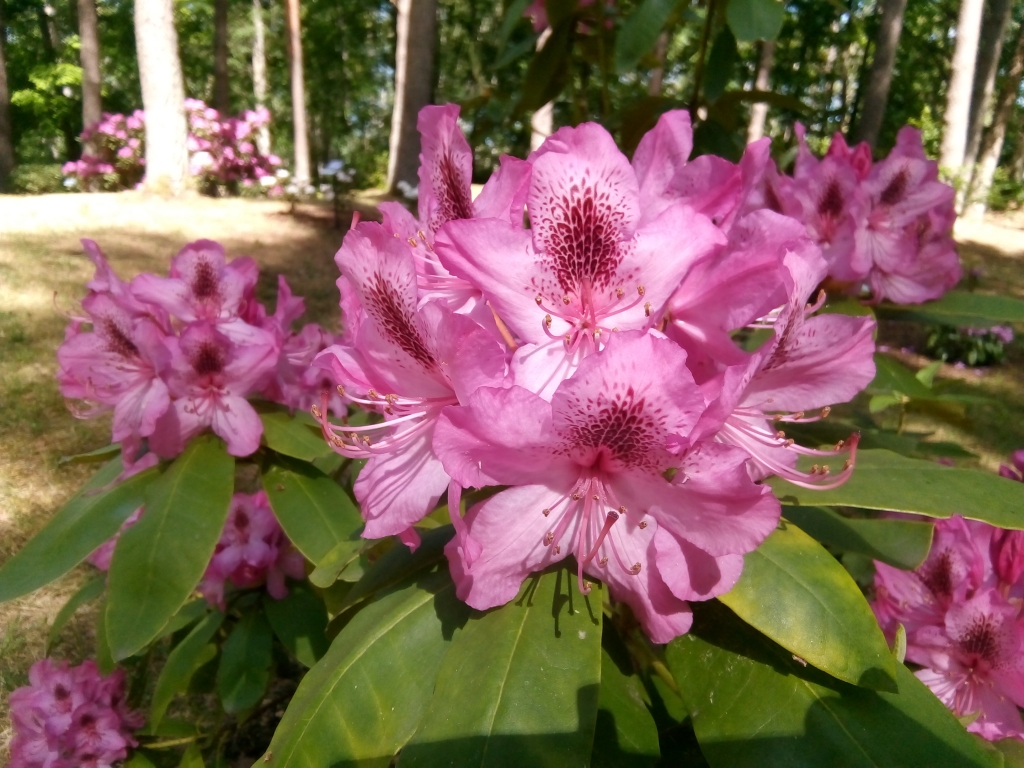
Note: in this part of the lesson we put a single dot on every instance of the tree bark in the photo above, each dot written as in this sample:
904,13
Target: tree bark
414,80
163,97
993,30
958,92
876,91
542,121
89,54
221,94
992,143
759,110
6,139
259,73
301,132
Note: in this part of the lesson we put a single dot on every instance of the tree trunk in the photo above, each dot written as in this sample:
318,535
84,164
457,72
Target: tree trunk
993,30
542,121
876,92
1017,161
301,133
89,53
958,92
658,73
259,73
414,80
6,139
759,110
221,95
163,97
992,143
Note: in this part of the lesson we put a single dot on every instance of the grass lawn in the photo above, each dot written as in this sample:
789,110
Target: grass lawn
43,275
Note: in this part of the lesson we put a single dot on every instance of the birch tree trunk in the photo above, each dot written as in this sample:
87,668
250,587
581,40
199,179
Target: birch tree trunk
89,54
163,97
759,110
542,121
259,73
993,30
221,95
958,92
6,139
876,91
301,132
992,143
414,82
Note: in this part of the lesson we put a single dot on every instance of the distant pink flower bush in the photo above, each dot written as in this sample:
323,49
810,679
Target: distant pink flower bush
71,717
962,613
117,160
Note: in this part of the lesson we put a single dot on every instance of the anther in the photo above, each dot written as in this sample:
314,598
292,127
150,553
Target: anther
777,417
372,394
825,470
622,510
643,525
826,411
635,569
539,300
577,496
547,320
341,390
647,309
603,562
558,549
840,444
548,538
595,497
315,410
546,512
619,293
847,464
789,442
814,469
640,290
566,300
412,241
781,435
798,415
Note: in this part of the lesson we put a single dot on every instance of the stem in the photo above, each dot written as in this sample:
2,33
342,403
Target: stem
698,76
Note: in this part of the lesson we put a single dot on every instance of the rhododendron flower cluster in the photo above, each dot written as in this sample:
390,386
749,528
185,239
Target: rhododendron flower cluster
587,364
962,613
172,356
71,717
252,551
884,228
116,160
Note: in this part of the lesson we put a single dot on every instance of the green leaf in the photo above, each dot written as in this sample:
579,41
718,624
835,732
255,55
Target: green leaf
519,685
512,18
182,662
292,436
752,705
300,623
1012,751
104,659
313,510
887,481
796,593
639,33
900,543
161,559
961,309
548,71
100,454
188,613
87,593
193,757
755,19
721,63
91,517
245,663
336,561
626,735
138,760
364,699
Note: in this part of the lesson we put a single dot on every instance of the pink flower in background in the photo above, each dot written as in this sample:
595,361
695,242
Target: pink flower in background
1015,472
587,476
71,717
407,363
587,268
101,557
252,551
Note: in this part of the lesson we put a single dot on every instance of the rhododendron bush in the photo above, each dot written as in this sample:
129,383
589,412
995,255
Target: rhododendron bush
583,476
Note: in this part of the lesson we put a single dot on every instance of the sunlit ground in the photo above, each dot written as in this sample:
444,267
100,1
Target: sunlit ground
40,255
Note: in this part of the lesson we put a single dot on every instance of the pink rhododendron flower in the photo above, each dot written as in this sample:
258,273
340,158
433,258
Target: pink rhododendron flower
588,267
100,558
1016,472
407,363
252,551
588,475
70,717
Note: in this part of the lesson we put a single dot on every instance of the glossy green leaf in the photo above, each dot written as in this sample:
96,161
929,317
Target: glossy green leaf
887,481
245,663
362,701
293,436
182,662
753,705
104,659
721,64
91,517
300,623
314,511
193,757
639,33
138,760
548,72
797,594
513,17
161,559
85,594
105,453
900,543
626,735
961,309
1012,751
337,560
519,685
190,612
755,19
